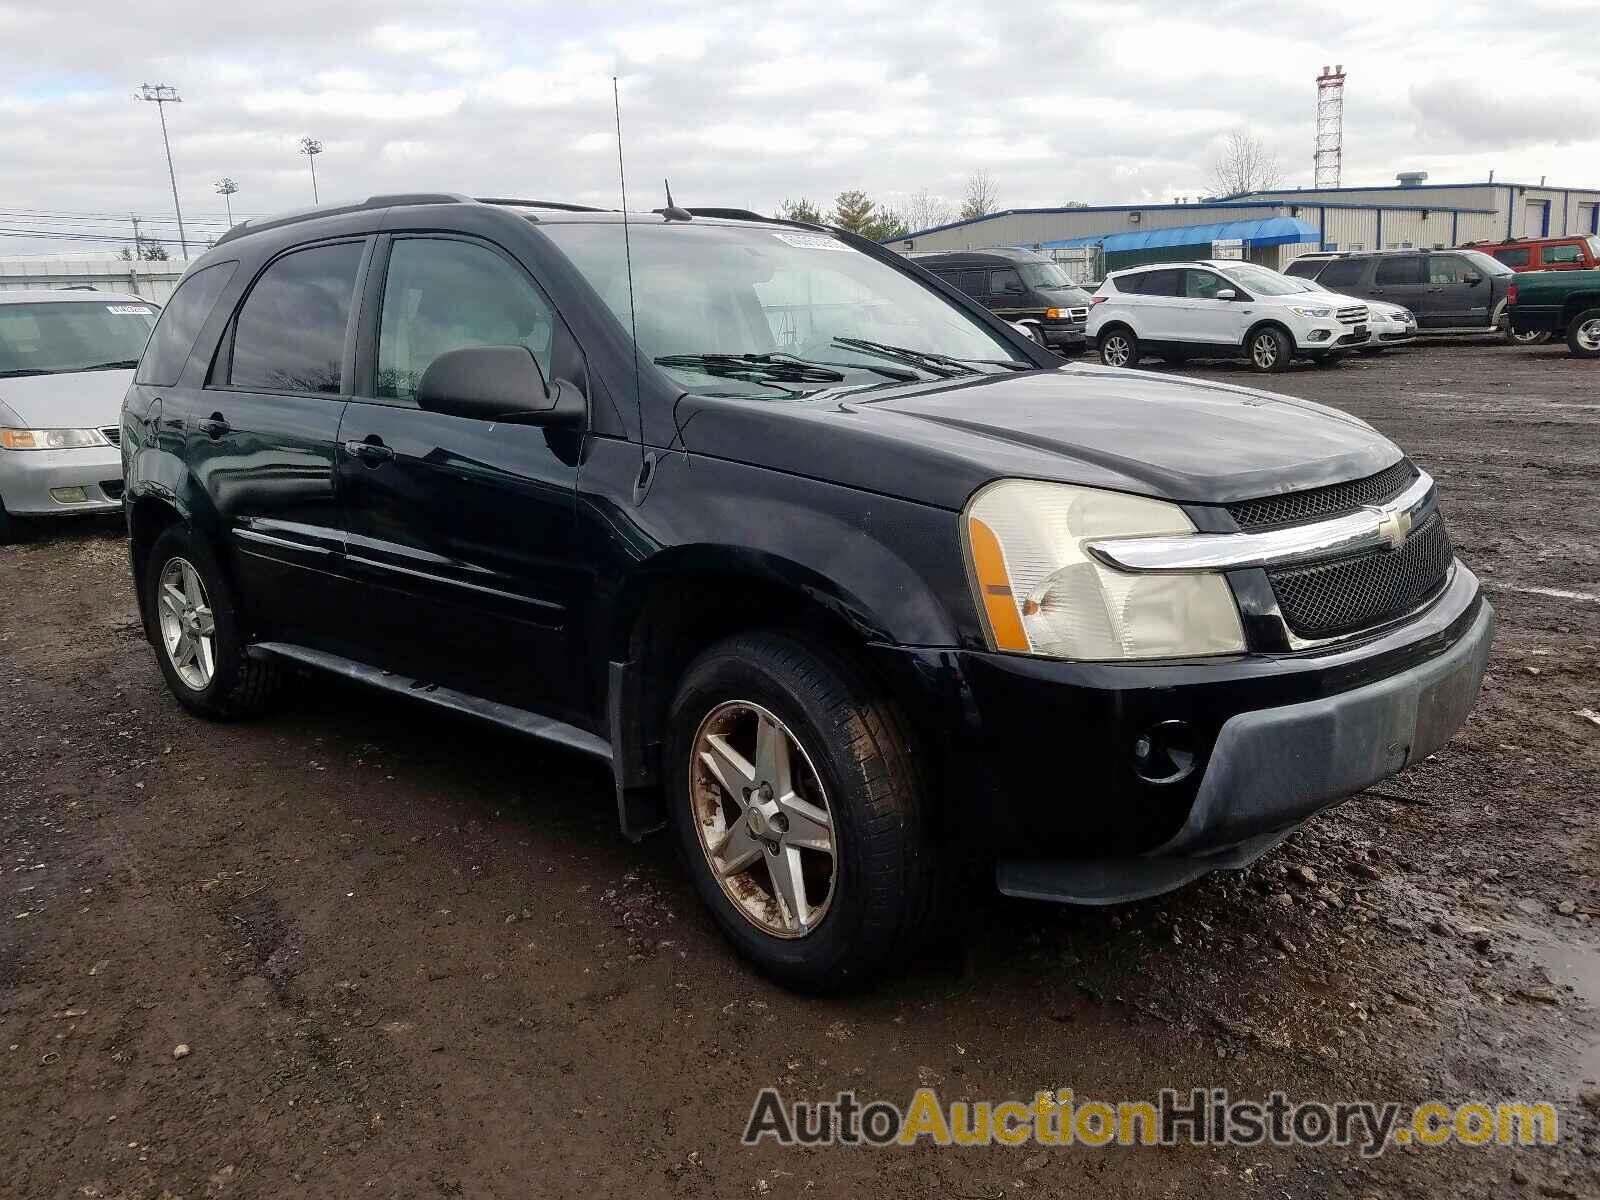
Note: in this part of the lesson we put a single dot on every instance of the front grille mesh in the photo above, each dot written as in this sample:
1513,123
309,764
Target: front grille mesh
1353,316
1321,503
113,434
1332,598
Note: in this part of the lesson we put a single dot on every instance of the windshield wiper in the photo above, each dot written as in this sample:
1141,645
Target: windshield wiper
20,372
929,360
753,368
118,365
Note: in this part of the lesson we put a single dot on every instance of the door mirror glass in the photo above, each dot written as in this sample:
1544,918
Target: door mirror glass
488,383
1227,294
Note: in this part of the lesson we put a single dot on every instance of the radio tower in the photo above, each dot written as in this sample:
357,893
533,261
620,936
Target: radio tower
1330,126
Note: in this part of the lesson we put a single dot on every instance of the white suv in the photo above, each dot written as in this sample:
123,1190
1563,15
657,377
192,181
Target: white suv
1221,309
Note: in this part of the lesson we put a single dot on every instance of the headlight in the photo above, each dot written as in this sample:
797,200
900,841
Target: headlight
51,439
1042,593
1307,310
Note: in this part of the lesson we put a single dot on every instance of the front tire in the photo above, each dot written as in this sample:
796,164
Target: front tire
1326,360
193,623
1119,347
1583,334
795,794
1269,350
10,529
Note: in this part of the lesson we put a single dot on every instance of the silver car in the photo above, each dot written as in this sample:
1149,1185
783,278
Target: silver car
66,358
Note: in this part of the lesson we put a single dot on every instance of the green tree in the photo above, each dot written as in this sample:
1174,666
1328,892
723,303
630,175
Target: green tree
853,210
801,210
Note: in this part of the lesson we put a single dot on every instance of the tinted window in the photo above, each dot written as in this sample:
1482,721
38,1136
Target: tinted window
1154,283
1560,254
1406,269
1343,272
443,295
1305,268
1514,258
180,324
1451,268
1005,283
290,332
1204,285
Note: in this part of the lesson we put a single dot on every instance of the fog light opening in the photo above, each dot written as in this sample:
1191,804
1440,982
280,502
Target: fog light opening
1165,753
69,495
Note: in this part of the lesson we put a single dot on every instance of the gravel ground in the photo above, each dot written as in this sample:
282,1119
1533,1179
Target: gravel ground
412,957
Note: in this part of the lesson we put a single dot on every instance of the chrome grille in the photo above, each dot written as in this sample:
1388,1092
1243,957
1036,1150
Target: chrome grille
1356,315
1332,598
1320,503
113,434
1078,314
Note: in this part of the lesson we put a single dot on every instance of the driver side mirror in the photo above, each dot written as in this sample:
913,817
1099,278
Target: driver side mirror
1226,294
1473,280
495,383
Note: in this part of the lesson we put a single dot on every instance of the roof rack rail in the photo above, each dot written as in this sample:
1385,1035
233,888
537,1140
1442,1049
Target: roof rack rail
731,214
555,204
393,200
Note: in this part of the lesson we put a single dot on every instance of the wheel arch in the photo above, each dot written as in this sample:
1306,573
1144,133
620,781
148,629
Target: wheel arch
1272,323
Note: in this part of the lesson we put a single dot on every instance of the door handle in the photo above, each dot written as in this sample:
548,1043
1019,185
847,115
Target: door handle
214,426
372,451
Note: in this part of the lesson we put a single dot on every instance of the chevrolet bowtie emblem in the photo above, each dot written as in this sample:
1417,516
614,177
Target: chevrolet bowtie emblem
1394,525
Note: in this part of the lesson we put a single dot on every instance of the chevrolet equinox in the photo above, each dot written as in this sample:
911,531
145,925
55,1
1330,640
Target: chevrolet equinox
845,578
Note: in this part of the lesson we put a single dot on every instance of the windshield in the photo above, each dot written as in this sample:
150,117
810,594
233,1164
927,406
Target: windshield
1486,263
1259,281
1044,275
56,338
707,295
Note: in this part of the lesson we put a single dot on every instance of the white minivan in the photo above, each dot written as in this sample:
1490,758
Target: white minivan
1214,308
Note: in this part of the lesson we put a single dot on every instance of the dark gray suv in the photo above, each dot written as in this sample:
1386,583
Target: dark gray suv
1450,291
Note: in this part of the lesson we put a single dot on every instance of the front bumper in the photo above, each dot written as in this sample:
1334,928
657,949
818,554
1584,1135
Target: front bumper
28,477
1046,749
1063,336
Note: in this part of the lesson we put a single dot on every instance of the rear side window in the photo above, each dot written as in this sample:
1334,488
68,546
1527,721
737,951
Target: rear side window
290,332
1305,268
1561,255
173,340
1515,258
1399,270
1155,283
1343,272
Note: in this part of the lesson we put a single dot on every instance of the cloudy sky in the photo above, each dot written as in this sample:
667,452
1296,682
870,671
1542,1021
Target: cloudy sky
748,104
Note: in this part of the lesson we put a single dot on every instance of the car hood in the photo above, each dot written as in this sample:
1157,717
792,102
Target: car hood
1178,439
80,400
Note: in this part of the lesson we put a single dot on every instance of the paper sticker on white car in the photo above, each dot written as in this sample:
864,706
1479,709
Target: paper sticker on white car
811,241
128,310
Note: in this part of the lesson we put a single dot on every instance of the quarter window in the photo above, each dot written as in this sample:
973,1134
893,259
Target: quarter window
1403,270
180,323
291,330
1342,272
442,295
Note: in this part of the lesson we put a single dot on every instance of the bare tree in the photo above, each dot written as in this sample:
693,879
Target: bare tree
924,210
982,196
1244,164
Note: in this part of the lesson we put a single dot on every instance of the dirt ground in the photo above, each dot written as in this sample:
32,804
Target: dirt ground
413,957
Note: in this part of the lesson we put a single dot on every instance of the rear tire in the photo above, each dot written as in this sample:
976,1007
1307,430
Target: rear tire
865,903
1269,350
187,594
1119,347
1535,337
1583,334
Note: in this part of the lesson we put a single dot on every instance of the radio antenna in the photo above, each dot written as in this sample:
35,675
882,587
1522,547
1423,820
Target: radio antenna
627,253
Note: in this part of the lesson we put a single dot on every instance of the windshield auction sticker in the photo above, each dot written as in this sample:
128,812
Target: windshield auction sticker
1201,1116
128,310
812,241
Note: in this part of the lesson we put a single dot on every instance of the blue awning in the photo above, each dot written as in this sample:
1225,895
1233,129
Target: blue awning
1272,231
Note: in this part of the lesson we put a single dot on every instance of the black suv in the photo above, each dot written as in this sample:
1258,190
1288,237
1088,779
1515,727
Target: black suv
844,577
1019,285
1449,291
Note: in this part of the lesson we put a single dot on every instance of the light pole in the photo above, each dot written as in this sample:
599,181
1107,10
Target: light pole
227,187
310,147
161,95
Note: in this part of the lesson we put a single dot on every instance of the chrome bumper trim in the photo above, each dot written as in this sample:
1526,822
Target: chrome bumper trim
1374,527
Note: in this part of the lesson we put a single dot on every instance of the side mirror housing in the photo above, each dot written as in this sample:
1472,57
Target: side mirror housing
492,383
1227,294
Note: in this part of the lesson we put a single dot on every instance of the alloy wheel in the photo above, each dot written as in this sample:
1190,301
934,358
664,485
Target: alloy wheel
188,629
1264,351
1116,351
1589,335
763,819
1528,337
